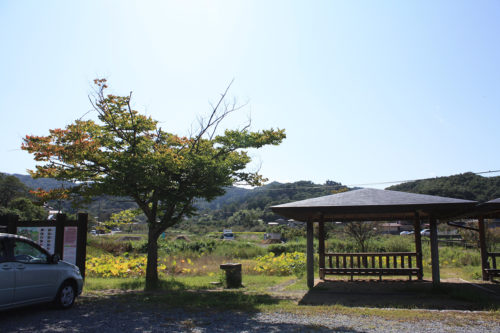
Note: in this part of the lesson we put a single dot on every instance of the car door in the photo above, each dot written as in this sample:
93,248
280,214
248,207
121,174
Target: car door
7,276
37,279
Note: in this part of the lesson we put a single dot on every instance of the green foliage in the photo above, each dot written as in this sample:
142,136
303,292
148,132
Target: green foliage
340,245
290,247
16,199
241,250
217,212
235,249
11,188
394,244
109,245
249,219
288,233
382,243
122,218
362,233
283,264
467,186
457,256
27,210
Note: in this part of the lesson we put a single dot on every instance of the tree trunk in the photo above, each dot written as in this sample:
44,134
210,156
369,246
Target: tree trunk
152,263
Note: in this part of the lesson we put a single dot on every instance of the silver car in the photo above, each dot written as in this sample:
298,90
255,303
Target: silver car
29,275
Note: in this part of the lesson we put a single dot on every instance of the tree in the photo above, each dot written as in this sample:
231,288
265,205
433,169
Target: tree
27,210
122,218
128,154
247,218
361,232
11,188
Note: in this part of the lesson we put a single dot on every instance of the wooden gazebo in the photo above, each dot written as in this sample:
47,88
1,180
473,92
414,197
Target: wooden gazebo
376,205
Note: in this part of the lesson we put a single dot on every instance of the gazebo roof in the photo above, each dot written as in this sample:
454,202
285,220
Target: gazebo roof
372,204
488,209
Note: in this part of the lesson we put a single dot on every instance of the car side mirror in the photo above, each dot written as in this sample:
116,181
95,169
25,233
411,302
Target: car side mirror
55,258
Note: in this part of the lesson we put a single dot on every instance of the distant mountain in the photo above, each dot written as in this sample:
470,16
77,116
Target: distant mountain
234,199
43,183
261,198
467,186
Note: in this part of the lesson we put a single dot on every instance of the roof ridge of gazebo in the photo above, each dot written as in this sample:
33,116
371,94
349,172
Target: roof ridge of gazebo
375,197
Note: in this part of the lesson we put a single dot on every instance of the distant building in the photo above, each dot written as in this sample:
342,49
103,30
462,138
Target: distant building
289,223
394,228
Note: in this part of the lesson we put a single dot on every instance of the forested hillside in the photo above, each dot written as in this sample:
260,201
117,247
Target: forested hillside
467,186
244,209
248,209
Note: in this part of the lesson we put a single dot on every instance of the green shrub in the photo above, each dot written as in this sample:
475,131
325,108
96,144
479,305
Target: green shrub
241,250
458,257
395,244
235,249
284,264
298,246
340,245
110,245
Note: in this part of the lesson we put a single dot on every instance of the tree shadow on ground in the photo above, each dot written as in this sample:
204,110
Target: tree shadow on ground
168,310
404,294
174,293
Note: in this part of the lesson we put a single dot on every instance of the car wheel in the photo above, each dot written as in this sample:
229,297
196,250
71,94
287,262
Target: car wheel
66,296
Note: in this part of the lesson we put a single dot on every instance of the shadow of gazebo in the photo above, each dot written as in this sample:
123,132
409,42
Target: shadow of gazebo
451,295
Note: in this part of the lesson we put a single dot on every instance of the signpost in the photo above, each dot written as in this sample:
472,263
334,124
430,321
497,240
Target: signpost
68,238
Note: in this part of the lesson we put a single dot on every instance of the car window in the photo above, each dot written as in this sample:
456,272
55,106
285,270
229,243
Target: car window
28,254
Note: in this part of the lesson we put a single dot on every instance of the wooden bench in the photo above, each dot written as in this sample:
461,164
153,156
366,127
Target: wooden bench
492,269
377,264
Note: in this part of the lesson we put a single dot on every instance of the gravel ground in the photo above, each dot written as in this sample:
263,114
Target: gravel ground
105,317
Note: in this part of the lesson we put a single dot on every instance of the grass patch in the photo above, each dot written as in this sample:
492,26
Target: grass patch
196,293
188,292
184,283
299,285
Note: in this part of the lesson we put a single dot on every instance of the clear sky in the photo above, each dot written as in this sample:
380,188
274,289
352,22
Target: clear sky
368,91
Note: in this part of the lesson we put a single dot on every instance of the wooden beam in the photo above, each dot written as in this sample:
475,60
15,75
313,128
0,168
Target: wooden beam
81,242
434,252
310,254
484,250
12,222
59,241
418,246
321,247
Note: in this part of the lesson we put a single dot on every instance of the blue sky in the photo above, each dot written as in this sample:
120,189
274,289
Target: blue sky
368,91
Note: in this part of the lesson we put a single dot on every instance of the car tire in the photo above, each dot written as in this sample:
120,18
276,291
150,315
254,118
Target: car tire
66,295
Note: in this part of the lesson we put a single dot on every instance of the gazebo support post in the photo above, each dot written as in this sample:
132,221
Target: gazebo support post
321,247
310,254
418,246
434,252
482,245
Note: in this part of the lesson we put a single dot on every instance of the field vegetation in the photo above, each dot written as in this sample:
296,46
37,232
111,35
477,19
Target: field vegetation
189,255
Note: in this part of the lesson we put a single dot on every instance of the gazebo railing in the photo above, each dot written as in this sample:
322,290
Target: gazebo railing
492,269
371,263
